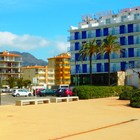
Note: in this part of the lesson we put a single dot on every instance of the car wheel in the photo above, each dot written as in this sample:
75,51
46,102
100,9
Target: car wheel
17,95
29,94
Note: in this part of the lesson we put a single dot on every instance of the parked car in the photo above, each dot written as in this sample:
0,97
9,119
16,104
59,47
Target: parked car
47,92
64,92
37,91
21,92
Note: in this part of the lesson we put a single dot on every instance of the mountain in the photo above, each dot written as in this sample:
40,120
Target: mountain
30,60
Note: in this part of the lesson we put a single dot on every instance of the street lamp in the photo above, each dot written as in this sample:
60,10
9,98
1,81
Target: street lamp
0,88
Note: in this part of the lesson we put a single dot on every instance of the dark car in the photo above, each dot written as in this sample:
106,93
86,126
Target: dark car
47,92
64,92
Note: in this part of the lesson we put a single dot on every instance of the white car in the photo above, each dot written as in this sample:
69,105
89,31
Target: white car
21,92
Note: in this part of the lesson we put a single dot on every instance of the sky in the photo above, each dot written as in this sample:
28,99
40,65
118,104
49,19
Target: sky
41,27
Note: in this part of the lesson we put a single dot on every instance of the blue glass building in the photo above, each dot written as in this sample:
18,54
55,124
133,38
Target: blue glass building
125,25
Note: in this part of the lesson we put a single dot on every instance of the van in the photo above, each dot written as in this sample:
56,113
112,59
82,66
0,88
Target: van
62,86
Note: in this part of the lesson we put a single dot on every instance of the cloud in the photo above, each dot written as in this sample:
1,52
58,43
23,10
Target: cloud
24,42
29,43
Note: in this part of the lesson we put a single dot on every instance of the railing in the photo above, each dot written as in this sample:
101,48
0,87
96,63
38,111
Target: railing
111,31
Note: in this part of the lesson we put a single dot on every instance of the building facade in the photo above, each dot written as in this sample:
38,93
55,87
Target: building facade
10,66
125,25
59,70
51,72
37,75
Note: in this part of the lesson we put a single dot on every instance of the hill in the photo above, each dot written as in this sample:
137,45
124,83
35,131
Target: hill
30,60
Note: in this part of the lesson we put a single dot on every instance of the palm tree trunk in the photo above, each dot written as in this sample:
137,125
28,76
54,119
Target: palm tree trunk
90,59
108,69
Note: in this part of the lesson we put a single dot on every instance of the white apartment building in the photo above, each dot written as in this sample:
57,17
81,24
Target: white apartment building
125,25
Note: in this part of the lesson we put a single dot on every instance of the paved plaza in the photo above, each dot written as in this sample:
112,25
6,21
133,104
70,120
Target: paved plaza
99,119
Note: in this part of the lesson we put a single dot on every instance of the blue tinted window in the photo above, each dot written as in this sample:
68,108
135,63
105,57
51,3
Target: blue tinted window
77,56
76,45
122,40
130,40
122,29
84,34
77,68
131,52
131,64
98,32
130,28
105,31
98,57
123,53
84,68
106,67
106,56
76,35
123,66
99,67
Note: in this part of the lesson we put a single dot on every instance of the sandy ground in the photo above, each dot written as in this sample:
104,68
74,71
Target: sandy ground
95,119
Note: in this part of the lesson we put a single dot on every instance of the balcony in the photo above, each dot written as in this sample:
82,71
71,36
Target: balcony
51,78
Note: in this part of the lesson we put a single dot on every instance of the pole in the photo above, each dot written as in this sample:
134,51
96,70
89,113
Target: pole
0,89
75,77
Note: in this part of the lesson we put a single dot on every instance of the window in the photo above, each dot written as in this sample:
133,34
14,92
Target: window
123,66
113,30
98,32
122,40
130,40
108,21
76,45
105,31
131,64
106,56
106,67
77,68
84,34
77,57
130,28
131,52
123,18
84,68
98,57
123,53
122,29
99,67
136,16
76,35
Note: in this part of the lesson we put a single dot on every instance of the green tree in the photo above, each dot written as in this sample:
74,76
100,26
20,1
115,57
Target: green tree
111,46
26,83
89,49
20,82
11,82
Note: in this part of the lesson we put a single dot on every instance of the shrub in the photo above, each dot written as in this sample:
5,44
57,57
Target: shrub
135,99
89,92
126,95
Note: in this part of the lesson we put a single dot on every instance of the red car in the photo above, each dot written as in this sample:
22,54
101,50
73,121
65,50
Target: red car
64,92
37,91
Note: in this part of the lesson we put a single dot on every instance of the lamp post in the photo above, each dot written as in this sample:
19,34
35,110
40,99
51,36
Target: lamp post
75,75
0,88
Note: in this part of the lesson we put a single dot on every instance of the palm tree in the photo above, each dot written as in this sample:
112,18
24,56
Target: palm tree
111,45
89,49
